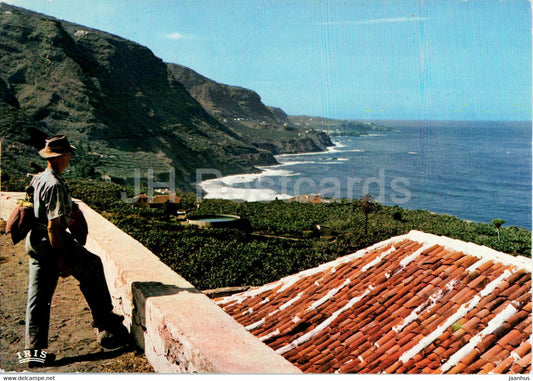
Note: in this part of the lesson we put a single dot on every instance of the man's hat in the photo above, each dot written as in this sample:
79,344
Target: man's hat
56,146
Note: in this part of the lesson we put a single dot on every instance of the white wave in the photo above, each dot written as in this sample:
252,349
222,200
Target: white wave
336,147
338,144
353,150
251,187
251,177
224,187
301,154
335,162
288,163
320,161
331,150
217,190
268,172
237,179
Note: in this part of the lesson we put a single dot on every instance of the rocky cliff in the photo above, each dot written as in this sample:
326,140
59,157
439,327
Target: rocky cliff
121,105
243,111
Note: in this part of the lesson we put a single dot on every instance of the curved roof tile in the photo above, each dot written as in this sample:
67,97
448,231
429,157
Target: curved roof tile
416,303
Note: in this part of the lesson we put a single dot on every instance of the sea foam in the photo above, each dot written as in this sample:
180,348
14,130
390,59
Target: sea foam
216,190
247,187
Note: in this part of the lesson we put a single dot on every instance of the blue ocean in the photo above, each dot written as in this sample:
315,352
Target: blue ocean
477,171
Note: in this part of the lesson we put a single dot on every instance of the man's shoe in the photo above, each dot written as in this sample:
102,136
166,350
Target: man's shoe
42,360
110,332
113,337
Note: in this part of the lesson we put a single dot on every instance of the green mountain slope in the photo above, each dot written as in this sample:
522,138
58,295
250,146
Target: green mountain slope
113,98
337,127
243,111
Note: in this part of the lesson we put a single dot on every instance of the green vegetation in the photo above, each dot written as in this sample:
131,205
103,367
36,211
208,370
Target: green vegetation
367,205
457,326
61,78
285,237
58,77
356,129
243,112
498,222
334,127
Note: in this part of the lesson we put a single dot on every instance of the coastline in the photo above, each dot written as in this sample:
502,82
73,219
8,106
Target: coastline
222,187
412,168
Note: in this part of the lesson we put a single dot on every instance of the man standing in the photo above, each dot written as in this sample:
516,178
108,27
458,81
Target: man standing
54,252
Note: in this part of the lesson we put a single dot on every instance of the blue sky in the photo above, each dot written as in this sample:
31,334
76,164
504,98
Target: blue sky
372,59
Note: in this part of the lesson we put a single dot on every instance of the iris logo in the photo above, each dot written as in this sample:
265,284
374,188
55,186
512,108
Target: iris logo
30,356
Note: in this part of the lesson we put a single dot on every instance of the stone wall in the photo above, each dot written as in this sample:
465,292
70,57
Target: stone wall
179,328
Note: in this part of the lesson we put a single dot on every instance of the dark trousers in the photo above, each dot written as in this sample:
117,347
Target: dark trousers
43,276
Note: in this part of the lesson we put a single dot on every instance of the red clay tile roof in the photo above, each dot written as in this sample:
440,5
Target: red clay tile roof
417,303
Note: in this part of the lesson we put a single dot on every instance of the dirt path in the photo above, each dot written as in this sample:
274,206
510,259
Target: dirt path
72,338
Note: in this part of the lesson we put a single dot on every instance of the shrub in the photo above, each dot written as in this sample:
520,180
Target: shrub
277,246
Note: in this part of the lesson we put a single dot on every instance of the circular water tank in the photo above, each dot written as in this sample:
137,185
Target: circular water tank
216,221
